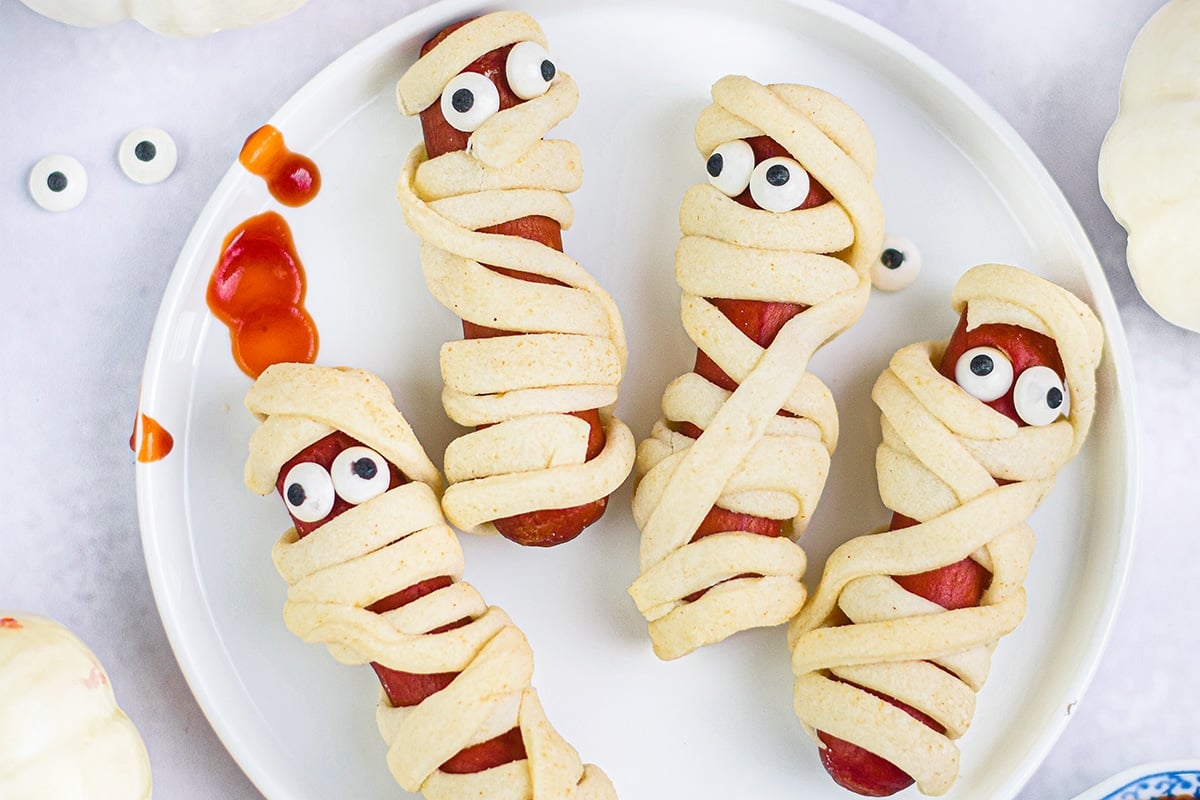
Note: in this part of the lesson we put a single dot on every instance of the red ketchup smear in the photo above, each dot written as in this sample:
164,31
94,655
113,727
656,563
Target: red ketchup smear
760,321
405,689
547,527
959,585
10,623
257,289
150,440
291,178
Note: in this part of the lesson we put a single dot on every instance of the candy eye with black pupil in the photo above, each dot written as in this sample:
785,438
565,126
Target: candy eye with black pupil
58,183
359,474
1040,396
308,490
985,373
897,266
779,184
729,167
529,70
147,155
469,100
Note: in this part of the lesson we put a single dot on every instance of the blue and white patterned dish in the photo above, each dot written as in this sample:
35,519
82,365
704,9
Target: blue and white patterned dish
1166,779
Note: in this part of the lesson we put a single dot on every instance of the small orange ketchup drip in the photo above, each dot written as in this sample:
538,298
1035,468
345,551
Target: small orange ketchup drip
257,289
291,178
150,440
11,623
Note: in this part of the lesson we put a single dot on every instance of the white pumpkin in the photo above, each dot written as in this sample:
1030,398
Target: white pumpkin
171,17
1150,162
62,736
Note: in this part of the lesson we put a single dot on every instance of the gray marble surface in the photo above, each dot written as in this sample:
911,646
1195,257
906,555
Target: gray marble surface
80,293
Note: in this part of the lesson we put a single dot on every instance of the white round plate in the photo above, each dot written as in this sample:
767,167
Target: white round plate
953,177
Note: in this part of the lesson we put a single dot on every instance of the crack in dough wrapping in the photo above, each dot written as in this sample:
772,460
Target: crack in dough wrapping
749,459
940,450
381,547
572,354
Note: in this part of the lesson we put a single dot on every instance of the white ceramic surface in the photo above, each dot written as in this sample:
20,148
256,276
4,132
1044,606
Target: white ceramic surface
301,725
1155,781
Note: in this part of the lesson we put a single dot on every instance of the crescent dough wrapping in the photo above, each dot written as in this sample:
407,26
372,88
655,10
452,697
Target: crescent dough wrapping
940,449
572,354
380,547
750,459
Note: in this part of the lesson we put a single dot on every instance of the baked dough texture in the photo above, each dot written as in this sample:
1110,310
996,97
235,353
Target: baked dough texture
571,354
939,463
750,459
381,547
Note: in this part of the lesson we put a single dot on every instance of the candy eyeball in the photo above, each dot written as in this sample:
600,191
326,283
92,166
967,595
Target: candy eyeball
308,492
1040,396
147,155
779,184
985,373
529,70
897,266
58,183
360,474
469,100
729,167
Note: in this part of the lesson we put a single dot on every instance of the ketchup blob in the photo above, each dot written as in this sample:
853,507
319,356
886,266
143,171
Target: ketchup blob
150,440
292,179
257,289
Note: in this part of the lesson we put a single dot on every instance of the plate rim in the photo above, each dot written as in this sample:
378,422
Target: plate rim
1124,780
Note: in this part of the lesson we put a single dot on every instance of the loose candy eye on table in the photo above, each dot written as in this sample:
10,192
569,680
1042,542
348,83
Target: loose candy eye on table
898,264
147,155
58,182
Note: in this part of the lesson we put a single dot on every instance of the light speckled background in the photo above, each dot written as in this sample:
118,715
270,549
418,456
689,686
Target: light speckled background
80,293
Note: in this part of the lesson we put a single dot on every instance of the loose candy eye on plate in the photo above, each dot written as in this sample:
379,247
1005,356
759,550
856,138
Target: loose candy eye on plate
898,264
147,155
58,183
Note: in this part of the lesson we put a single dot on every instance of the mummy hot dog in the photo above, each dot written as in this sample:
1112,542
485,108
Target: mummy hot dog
774,262
374,574
895,642
544,349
